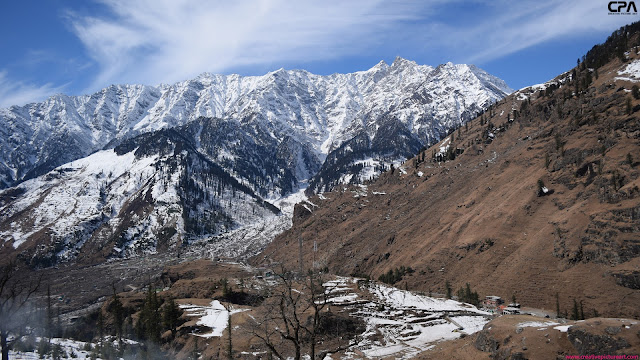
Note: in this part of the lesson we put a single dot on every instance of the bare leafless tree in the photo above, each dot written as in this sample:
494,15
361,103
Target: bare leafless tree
292,316
16,290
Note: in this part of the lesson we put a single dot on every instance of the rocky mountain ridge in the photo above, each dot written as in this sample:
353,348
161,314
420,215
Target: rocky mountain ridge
318,112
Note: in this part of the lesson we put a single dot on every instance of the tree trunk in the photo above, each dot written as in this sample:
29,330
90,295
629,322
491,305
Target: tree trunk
5,346
230,344
297,343
313,347
298,354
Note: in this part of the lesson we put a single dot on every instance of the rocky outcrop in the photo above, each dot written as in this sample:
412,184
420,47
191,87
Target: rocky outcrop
485,342
628,279
587,343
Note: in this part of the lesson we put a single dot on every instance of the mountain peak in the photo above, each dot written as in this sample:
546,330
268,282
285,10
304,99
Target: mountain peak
205,75
448,64
399,61
382,65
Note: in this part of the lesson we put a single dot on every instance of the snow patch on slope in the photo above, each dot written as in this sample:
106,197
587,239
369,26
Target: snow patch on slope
631,72
214,316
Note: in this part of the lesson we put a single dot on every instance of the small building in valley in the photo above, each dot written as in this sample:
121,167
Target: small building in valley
492,302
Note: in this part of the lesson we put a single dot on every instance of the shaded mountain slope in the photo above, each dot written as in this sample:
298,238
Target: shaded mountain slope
153,193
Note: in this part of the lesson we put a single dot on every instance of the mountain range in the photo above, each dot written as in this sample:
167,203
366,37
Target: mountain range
134,169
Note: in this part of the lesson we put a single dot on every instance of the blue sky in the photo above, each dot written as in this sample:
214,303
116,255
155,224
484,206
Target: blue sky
78,47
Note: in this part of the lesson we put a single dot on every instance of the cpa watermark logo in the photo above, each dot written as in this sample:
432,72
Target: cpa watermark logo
622,8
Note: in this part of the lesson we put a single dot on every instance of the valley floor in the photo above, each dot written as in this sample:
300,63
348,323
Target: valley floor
395,323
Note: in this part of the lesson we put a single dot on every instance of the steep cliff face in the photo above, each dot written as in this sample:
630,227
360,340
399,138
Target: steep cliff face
537,196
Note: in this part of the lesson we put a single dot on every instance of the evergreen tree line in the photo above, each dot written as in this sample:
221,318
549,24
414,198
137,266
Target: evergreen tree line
153,320
155,317
615,46
464,294
577,310
467,296
395,275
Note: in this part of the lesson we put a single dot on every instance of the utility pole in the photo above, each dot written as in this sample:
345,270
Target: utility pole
315,250
300,255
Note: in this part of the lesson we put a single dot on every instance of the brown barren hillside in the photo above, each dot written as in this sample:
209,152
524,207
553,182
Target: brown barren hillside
528,337
481,218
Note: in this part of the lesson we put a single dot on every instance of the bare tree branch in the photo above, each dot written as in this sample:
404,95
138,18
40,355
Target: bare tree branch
294,310
15,293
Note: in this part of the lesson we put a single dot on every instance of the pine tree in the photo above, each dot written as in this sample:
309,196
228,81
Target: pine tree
116,309
557,305
171,316
100,328
58,329
448,287
149,323
575,313
226,288
547,161
195,354
129,330
49,319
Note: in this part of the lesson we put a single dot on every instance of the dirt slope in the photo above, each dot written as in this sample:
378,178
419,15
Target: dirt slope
480,219
528,337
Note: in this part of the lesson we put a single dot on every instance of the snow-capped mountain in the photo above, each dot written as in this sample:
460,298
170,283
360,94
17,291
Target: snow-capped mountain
314,111
134,169
152,193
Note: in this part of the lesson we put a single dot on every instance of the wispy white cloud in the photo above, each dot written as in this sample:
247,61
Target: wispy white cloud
516,25
154,41
150,41
19,93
